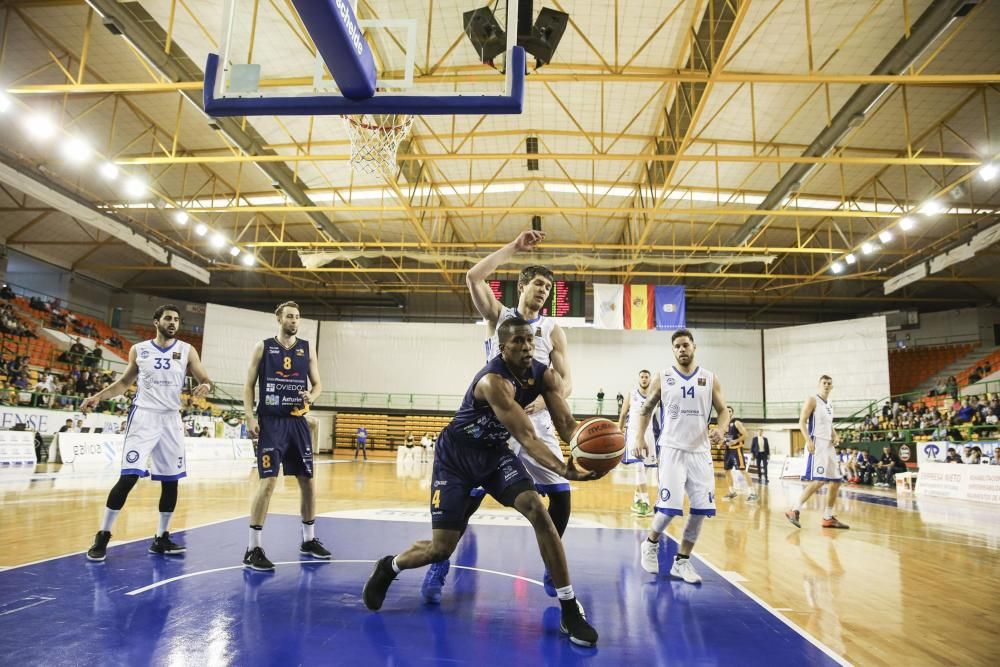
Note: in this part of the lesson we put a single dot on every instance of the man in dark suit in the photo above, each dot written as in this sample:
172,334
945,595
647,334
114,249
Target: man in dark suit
761,451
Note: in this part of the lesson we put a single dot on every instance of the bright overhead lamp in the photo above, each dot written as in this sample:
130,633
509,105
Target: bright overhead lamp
181,217
988,171
135,187
931,208
5,103
248,259
234,251
906,224
837,267
108,171
40,127
885,236
867,248
850,258
201,229
76,150
217,240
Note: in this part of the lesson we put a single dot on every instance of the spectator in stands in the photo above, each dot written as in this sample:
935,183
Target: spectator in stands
951,387
6,293
93,358
67,427
887,410
995,456
79,426
888,466
8,394
952,456
975,456
204,433
976,375
966,412
360,441
849,464
866,468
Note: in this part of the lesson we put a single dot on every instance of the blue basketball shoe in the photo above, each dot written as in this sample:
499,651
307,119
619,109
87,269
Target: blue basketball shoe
550,588
434,581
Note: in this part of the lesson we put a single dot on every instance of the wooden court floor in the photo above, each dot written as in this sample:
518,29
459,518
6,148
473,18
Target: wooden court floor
913,582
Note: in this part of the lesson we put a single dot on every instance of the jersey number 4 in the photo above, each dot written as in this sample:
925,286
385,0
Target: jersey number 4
161,363
436,499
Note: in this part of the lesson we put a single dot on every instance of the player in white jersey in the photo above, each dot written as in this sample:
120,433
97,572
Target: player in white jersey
534,286
154,432
688,393
822,462
637,453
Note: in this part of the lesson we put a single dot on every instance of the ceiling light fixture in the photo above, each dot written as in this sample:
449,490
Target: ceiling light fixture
988,171
181,217
108,170
248,259
134,187
931,208
40,127
201,229
234,251
850,258
867,248
885,236
906,224
217,240
837,267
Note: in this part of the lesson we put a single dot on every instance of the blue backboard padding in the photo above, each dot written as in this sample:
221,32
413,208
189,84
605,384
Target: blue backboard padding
330,105
334,29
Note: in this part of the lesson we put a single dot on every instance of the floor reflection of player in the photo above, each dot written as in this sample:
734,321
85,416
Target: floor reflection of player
472,451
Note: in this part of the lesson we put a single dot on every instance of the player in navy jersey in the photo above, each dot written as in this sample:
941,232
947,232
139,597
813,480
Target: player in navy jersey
286,376
154,434
473,451
734,463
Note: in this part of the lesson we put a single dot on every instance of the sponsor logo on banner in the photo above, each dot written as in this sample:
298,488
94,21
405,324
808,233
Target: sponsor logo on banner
904,453
931,451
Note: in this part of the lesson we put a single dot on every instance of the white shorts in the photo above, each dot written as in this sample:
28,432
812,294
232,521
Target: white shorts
687,472
154,444
823,464
630,445
545,430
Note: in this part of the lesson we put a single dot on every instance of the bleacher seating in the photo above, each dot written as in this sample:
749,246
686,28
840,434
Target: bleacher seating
147,332
911,367
991,360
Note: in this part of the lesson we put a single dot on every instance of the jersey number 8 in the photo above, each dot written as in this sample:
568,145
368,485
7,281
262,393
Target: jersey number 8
287,363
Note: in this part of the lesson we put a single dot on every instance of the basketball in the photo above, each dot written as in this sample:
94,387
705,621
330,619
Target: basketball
597,445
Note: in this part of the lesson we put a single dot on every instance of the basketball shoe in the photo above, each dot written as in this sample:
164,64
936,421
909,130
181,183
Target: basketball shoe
751,497
434,581
378,583
574,623
834,522
256,560
730,495
165,546
315,549
793,517
99,551
683,569
650,556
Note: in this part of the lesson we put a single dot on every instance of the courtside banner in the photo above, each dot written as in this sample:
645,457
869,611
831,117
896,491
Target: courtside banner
670,307
101,450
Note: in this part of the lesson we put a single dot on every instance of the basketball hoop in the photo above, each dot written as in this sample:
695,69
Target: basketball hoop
374,141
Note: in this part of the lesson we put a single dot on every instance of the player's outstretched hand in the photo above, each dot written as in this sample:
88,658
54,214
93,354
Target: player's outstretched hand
715,435
575,474
89,404
201,390
528,239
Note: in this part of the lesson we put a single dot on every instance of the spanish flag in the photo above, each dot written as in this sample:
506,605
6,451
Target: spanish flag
639,310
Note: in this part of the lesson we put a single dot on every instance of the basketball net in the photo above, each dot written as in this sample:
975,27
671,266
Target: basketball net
374,141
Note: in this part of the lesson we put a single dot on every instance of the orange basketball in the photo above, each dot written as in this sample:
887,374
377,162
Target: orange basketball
597,444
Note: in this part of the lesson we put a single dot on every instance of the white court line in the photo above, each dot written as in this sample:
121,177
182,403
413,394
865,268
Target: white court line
39,600
150,587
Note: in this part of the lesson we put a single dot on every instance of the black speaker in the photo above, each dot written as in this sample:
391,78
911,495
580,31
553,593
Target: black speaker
536,223
485,33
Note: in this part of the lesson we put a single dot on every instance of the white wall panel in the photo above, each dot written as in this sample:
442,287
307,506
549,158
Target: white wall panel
232,333
853,352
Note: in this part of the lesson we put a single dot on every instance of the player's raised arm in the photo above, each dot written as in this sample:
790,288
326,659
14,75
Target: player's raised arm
116,388
199,373
250,386
719,403
807,410
646,414
559,359
482,296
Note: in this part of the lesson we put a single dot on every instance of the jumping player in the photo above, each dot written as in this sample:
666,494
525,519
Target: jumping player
822,464
534,286
286,375
638,448
688,394
473,451
154,432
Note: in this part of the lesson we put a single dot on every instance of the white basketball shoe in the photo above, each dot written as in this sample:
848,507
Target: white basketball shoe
649,559
683,569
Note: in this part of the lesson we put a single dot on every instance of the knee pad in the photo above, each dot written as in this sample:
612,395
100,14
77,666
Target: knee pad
168,496
559,509
693,527
119,492
660,522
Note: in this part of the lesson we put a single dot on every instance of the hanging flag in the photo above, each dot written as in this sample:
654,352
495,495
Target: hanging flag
608,306
639,307
670,307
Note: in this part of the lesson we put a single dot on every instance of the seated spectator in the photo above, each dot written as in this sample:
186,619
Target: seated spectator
67,427
887,410
965,412
6,293
951,387
8,394
204,433
952,456
975,456
93,358
866,468
995,457
888,466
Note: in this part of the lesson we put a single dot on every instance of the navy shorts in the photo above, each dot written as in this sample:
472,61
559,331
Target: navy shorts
284,442
734,459
458,469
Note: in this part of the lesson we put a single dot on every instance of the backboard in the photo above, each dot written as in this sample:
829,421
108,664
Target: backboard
316,57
